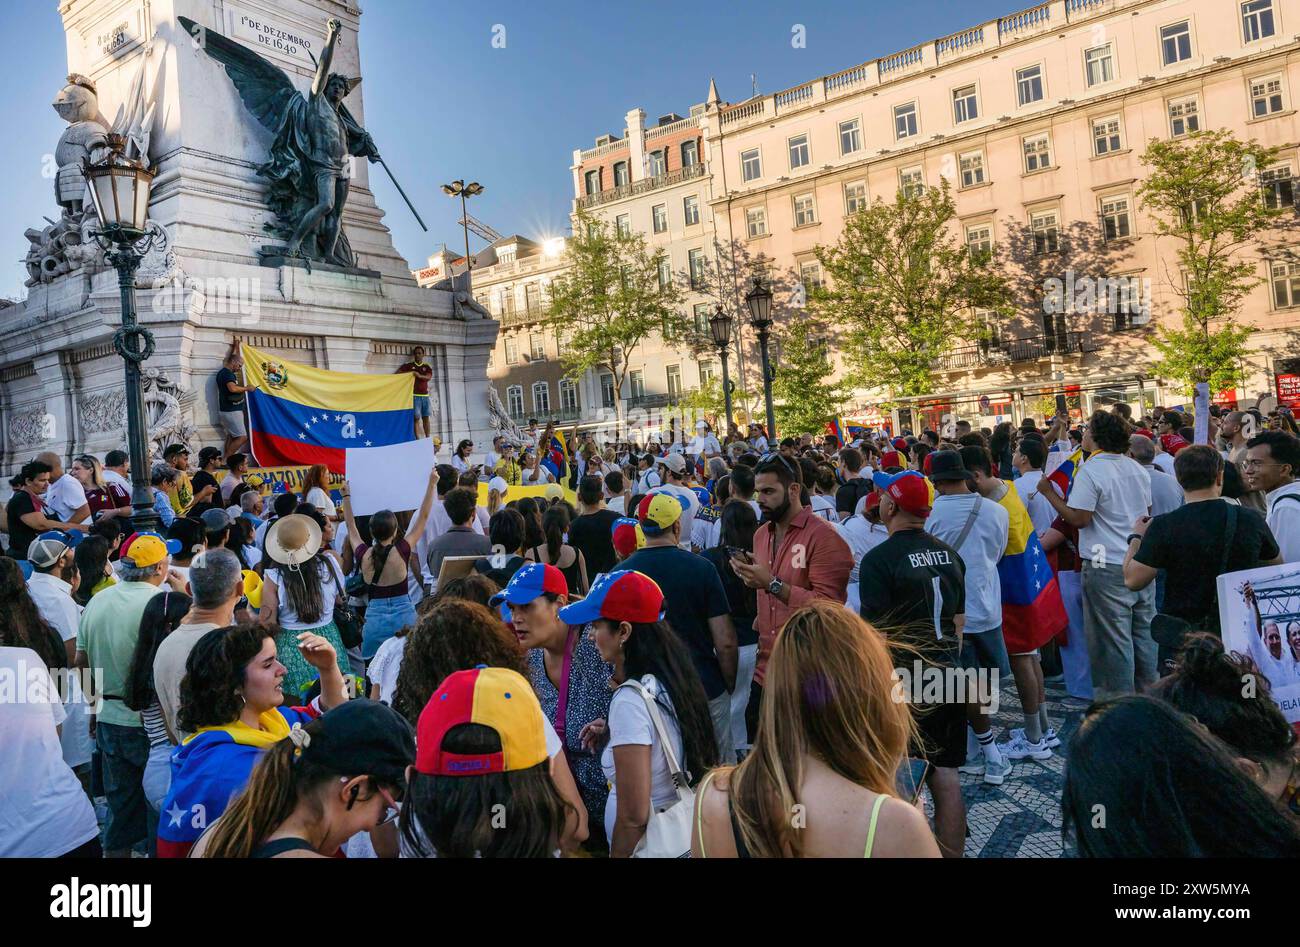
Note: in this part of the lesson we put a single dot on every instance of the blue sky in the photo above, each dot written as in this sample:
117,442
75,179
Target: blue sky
442,103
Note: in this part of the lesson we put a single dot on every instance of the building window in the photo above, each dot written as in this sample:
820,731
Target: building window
691,209
1128,312
561,343
1099,64
665,274
810,274
979,239
696,258
1105,135
1257,19
750,167
700,315
621,176
542,397
1038,153
607,390
658,164
636,384
674,376
911,182
1029,84
708,372
964,106
1046,232
568,396
805,211
659,218
1184,116
512,350
537,347
533,297
1278,187
1175,43
623,225
690,153
593,181
1265,96
972,168
850,136
1286,284
905,120
799,156
1115,218
855,197
515,400
756,221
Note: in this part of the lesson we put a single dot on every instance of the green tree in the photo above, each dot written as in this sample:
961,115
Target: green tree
904,285
804,398
1203,193
708,400
611,300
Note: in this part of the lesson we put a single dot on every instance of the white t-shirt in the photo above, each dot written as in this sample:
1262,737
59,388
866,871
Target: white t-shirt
1117,490
228,484
824,507
648,480
862,535
112,476
706,444
328,593
630,724
64,497
1041,513
43,810
1284,519
385,665
980,551
760,445
1164,461
616,504
460,463
321,500
532,477
53,598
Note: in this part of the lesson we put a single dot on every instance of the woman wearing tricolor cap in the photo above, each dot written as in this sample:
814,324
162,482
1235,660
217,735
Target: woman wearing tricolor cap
625,611
568,675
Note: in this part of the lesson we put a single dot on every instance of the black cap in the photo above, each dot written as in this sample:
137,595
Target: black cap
189,533
174,449
363,737
208,455
947,465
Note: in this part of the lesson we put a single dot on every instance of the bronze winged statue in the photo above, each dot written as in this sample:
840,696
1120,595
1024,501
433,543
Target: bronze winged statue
315,134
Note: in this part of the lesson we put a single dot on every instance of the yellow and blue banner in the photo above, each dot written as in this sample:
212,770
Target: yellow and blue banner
305,415
1033,612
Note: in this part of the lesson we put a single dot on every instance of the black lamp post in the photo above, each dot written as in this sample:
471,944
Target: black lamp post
720,327
119,189
464,192
759,301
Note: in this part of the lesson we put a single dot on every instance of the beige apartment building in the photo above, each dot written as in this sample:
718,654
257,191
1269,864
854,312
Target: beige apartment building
1038,120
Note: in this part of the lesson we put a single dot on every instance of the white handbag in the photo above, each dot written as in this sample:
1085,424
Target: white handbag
668,833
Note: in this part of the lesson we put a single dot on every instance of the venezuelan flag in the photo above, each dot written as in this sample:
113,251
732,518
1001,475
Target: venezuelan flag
556,458
1032,610
304,415
1063,476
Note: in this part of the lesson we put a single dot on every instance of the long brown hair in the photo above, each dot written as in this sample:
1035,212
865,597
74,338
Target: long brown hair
829,693
21,624
318,475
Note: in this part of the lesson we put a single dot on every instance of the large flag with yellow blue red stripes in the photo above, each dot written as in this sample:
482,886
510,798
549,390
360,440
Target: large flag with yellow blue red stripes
1033,612
305,415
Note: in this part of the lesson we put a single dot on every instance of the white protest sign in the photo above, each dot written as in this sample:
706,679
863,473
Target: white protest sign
1202,408
1259,612
389,478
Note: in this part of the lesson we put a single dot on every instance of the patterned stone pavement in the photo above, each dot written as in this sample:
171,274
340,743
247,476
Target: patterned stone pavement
1022,817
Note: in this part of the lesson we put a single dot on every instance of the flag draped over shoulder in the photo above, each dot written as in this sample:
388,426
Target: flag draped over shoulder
1063,476
304,415
555,457
1032,610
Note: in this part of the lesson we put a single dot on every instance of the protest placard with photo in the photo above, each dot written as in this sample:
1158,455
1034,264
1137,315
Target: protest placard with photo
1259,611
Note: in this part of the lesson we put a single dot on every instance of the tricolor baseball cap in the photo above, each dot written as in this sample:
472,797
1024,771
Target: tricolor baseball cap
532,580
618,596
900,443
627,536
702,494
659,510
148,549
911,491
497,698
48,548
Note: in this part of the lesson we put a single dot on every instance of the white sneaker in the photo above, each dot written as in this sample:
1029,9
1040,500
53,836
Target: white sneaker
995,773
974,765
1050,739
1018,748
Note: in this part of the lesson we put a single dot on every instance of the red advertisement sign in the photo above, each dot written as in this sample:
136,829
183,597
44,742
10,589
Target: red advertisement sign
1288,390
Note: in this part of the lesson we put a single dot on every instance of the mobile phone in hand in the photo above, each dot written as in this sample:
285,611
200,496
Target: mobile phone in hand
736,552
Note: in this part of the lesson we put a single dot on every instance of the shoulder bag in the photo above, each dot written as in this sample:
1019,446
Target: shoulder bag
345,619
668,833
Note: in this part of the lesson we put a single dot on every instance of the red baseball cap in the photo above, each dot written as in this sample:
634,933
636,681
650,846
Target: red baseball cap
900,443
619,596
890,459
911,491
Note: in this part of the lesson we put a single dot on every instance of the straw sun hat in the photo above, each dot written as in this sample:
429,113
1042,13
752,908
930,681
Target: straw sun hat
293,540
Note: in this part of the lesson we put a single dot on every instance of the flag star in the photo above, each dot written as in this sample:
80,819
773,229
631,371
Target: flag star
302,437
338,417
361,432
313,419
177,813
367,443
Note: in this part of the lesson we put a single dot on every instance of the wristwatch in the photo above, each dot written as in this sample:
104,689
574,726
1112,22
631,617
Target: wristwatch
1133,536
774,587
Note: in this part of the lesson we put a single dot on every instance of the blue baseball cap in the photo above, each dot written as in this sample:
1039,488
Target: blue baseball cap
529,582
705,498
619,596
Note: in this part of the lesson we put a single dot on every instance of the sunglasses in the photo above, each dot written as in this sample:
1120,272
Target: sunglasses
785,462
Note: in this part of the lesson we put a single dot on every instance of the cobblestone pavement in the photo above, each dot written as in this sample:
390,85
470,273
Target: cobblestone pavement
1022,817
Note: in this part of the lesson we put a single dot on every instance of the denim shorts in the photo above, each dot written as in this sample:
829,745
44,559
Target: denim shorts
421,406
986,650
385,617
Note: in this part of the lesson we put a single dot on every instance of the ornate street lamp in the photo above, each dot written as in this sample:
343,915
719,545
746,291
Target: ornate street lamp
464,192
720,327
759,302
119,190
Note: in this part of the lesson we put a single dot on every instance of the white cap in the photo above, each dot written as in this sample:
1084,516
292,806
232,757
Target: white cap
701,425
498,484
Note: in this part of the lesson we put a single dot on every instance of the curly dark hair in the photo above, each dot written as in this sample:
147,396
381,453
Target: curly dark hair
1109,432
456,635
214,673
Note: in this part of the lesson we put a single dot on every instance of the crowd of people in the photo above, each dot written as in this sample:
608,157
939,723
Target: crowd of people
714,636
